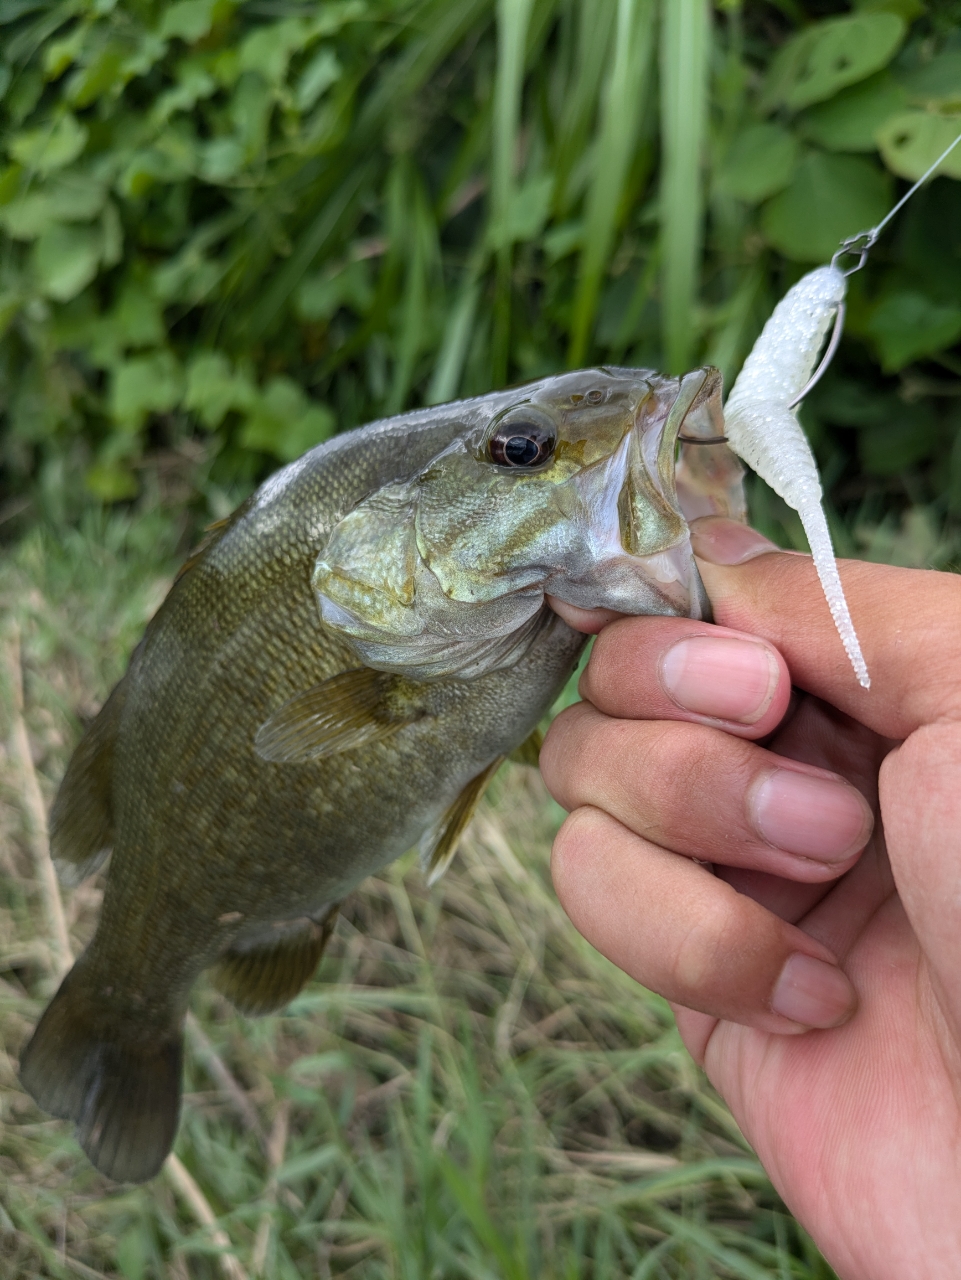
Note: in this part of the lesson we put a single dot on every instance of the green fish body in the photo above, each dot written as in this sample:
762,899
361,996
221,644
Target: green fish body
331,681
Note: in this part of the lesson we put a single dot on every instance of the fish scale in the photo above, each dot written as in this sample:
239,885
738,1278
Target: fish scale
292,721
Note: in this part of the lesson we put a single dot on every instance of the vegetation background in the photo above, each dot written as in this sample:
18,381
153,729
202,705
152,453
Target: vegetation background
228,229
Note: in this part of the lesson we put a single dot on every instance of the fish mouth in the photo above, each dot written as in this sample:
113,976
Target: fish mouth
640,547
653,529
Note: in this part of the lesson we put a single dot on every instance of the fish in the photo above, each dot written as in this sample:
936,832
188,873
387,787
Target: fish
332,680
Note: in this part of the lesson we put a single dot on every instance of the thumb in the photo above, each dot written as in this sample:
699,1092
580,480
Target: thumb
908,622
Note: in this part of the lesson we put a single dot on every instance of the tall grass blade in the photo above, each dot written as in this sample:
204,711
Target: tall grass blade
685,38
446,378
621,115
513,20
593,27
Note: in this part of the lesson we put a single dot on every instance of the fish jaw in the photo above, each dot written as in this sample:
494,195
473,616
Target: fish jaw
635,539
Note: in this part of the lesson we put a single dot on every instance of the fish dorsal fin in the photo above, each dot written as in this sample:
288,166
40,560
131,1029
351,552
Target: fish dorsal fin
529,751
439,842
339,714
81,821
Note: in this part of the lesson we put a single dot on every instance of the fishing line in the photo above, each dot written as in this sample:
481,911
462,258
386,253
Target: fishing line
861,244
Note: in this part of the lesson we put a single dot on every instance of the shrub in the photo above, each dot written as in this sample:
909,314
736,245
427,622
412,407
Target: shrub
242,226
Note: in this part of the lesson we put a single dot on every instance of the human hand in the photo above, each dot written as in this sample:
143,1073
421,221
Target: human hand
835,898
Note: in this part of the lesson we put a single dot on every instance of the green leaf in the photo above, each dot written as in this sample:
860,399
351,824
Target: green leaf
267,50
851,119
111,481
188,20
906,9
69,197
284,423
10,304
50,147
134,321
193,84
221,159
213,388
60,54
830,55
65,260
938,82
909,325
10,182
911,142
144,385
321,72
171,160
829,198
760,162
96,79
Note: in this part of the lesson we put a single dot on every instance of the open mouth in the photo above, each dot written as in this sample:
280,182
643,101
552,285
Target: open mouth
651,515
652,519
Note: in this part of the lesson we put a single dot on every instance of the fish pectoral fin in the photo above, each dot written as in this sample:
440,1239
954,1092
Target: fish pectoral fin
261,979
529,751
81,820
439,842
343,712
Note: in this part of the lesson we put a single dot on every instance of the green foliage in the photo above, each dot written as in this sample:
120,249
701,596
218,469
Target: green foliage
229,229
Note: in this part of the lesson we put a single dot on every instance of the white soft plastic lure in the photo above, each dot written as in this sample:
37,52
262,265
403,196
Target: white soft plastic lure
764,431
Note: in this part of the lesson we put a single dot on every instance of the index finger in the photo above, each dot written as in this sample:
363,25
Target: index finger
908,622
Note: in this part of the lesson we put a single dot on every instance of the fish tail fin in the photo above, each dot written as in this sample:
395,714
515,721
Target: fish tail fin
81,820
123,1097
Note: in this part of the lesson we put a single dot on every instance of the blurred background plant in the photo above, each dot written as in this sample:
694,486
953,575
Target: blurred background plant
228,230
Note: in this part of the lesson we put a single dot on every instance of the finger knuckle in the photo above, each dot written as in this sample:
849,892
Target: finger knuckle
575,844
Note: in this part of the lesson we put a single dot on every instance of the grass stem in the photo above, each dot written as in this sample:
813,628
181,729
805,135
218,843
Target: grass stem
226,1079
36,813
198,1204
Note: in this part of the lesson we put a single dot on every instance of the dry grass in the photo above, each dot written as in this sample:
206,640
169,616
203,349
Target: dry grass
466,1089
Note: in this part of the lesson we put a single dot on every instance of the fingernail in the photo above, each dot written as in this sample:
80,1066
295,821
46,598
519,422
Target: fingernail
813,817
722,541
720,677
813,993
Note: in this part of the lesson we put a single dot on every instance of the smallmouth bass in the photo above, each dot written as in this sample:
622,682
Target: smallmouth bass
333,679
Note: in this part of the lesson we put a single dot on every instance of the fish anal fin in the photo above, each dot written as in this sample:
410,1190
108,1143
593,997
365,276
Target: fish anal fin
529,751
263,978
123,1097
341,713
439,843
81,820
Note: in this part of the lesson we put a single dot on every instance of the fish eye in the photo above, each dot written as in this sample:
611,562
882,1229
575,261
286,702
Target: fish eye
521,443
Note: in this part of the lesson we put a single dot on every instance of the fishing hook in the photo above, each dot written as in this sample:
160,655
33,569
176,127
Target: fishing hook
861,245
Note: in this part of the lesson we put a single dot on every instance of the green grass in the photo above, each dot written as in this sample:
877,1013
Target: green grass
466,1089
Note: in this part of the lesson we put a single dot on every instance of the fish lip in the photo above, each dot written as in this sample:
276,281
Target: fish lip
653,454
637,528
613,575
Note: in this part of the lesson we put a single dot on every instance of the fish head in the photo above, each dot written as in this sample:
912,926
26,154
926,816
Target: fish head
563,487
